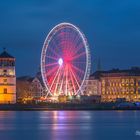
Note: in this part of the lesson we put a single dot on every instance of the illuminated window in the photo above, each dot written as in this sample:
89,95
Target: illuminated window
127,90
11,72
103,82
1,72
132,81
127,81
5,90
123,81
4,80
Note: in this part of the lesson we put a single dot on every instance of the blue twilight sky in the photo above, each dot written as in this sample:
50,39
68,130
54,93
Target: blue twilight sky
112,28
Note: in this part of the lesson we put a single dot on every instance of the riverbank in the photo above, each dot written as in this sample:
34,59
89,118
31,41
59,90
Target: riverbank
48,107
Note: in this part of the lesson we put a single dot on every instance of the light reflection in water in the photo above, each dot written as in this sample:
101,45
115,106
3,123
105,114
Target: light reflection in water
5,120
69,125
63,124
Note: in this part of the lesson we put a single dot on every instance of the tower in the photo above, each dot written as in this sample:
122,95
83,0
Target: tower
7,79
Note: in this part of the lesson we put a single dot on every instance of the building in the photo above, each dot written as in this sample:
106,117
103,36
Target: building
120,85
30,88
23,87
7,79
93,86
92,90
37,87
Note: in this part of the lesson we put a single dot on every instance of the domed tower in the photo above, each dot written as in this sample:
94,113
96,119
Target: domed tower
7,79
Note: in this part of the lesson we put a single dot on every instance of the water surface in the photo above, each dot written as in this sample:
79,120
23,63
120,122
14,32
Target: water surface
69,125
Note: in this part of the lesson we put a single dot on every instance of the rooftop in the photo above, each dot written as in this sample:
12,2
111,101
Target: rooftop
134,71
4,54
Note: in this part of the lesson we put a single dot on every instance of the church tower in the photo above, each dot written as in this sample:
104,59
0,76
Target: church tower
7,79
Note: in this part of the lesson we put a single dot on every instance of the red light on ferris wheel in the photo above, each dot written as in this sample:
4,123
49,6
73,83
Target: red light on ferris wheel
65,60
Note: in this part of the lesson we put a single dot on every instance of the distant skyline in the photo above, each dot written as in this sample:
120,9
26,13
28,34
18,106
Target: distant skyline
112,29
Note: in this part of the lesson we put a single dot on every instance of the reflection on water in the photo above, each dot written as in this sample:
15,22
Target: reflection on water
69,125
64,123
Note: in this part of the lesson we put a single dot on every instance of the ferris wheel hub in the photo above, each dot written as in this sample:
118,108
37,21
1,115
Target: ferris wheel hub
60,61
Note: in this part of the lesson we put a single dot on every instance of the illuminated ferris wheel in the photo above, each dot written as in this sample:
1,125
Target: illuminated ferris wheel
65,60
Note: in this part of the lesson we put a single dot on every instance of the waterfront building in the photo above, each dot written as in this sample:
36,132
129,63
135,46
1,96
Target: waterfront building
23,87
30,88
92,90
120,85
7,78
93,85
37,87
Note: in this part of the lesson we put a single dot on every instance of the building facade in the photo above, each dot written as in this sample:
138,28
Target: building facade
23,87
7,79
93,86
92,90
120,85
37,87
30,88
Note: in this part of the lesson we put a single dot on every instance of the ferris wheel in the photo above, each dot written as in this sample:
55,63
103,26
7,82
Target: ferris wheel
65,60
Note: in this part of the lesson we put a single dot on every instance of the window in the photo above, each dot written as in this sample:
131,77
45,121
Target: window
11,72
4,72
5,90
139,91
123,81
139,82
132,81
4,80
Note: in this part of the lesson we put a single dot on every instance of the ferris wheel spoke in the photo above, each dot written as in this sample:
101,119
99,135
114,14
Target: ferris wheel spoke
62,81
76,80
78,62
74,77
56,44
66,80
72,81
51,71
67,49
77,69
70,47
79,55
75,39
54,58
67,43
78,48
54,52
54,78
57,83
51,64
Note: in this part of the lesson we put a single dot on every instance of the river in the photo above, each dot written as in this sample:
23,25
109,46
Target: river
69,125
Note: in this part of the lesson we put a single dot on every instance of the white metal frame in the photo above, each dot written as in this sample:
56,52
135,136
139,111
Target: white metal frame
44,49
